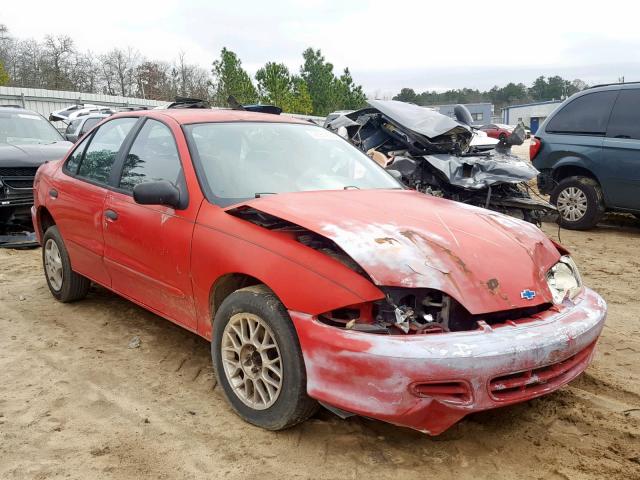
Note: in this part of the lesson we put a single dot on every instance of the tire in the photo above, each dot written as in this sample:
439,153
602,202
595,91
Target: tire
579,201
502,137
68,286
253,396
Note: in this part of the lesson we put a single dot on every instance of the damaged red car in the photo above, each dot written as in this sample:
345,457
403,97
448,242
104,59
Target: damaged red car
317,277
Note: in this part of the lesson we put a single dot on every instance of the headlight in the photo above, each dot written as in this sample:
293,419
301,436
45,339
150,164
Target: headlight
564,279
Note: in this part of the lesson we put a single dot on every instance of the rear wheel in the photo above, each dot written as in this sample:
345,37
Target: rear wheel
64,284
258,360
579,201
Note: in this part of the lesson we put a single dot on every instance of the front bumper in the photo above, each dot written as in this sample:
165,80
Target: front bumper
429,382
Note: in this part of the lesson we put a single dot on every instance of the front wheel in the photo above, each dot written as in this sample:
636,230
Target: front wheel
579,201
258,360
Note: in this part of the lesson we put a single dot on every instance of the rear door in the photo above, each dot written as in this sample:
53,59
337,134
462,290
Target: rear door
148,247
621,152
574,135
76,199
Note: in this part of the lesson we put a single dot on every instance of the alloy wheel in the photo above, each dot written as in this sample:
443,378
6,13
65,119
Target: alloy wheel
572,204
252,361
53,264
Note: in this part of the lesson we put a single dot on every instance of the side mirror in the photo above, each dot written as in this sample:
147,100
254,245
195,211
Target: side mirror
157,193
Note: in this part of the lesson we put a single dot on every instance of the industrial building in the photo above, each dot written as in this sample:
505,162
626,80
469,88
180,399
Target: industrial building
531,114
480,112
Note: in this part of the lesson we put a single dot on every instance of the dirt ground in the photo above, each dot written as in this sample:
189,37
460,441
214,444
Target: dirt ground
76,402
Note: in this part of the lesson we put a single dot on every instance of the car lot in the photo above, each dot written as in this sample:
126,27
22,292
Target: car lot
78,402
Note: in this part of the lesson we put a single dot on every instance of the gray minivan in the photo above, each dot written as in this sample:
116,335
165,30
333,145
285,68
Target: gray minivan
588,154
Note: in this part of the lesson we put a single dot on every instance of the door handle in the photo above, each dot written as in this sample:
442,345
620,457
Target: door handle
111,215
53,193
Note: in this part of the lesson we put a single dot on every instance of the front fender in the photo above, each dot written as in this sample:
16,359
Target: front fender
304,279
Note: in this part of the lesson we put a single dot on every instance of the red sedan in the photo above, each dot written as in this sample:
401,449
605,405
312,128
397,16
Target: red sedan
316,276
497,130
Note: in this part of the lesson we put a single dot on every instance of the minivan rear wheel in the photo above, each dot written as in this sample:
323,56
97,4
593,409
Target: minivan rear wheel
579,201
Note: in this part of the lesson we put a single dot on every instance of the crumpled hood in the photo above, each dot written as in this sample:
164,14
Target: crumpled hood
32,155
404,238
422,120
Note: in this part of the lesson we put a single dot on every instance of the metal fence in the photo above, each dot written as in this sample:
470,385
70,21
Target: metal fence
47,101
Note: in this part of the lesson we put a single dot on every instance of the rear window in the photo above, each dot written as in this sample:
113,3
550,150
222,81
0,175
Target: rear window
586,115
625,118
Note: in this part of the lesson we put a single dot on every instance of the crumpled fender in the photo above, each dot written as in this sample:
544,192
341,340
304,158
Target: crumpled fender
400,238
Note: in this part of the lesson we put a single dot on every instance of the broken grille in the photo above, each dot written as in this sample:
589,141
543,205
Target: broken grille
539,380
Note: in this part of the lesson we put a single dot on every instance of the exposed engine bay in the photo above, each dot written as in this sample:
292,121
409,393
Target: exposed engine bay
437,155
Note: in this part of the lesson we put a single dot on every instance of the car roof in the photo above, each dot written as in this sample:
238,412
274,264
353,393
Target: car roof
205,115
17,109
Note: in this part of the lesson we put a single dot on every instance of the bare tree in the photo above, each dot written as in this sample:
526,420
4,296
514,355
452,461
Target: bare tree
118,70
58,53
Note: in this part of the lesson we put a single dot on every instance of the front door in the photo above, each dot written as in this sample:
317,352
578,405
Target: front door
77,195
148,247
620,164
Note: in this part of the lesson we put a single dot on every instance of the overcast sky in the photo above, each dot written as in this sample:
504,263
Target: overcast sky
386,44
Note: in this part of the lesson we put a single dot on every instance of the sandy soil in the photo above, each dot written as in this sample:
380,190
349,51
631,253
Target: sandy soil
76,402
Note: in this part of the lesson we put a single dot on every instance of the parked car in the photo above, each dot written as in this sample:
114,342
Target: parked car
588,154
81,125
72,112
497,130
316,276
27,140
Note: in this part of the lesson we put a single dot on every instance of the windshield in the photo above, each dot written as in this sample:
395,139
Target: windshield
246,160
26,128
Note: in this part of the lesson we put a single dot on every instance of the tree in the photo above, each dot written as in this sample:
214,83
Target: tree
154,81
538,90
301,101
349,96
320,80
275,85
4,76
578,85
407,95
118,71
58,52
229,78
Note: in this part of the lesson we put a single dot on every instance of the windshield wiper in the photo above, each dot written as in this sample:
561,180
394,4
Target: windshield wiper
350,187
260,194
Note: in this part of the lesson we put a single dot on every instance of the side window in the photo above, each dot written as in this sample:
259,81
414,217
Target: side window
72,127
89,124
74,159
587,115
625,118
103,149
153,156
